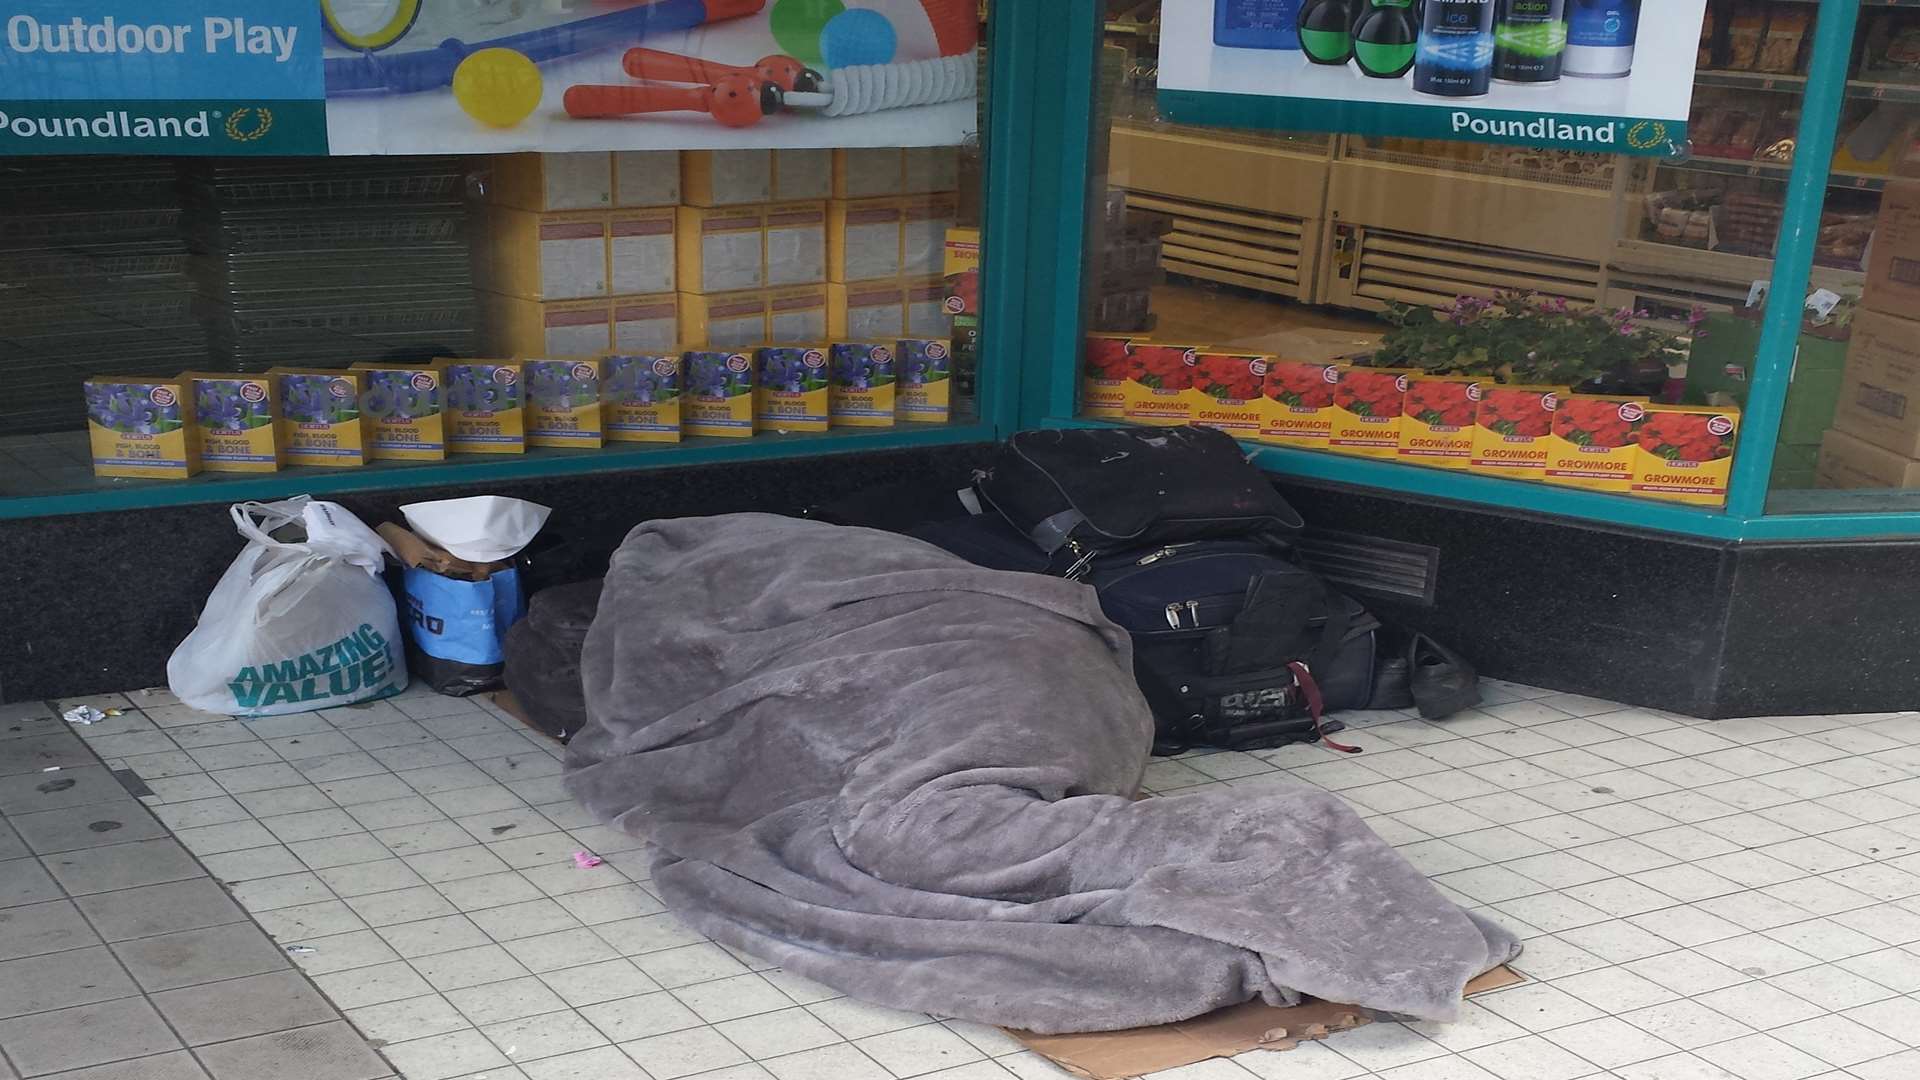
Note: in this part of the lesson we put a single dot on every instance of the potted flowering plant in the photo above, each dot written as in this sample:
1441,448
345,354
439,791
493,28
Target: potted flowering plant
1523,337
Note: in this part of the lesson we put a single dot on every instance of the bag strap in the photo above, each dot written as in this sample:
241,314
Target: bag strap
1316,706
244,515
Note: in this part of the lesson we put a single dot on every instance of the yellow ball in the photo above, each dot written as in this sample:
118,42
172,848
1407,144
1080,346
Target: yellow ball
498,87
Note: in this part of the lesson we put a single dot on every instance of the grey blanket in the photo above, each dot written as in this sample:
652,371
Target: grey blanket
914,780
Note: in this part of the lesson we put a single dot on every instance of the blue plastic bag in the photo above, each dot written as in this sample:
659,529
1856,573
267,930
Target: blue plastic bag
458,628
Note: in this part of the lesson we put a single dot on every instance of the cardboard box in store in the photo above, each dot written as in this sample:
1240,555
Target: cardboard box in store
1437,425
641,251
1685,453
1893,260
725,249
403,410
646,178
1227,391
1298,406
1367,406
1105,360
320,416
237,416
871,239
800,313
796,244
802,175
931,169
869,173
750,177
552,181
923,242
755,317
646,323
1511,430
1847,462
726,177
139,425
1157,383
1880,395
519,327
564,404
864,239
870,310
543,255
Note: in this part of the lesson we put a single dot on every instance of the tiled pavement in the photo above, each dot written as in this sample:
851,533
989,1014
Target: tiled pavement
1729,901
120,959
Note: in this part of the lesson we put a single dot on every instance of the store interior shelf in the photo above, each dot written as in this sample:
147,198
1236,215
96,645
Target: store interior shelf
1796,84
468,470
1772,170
1652,256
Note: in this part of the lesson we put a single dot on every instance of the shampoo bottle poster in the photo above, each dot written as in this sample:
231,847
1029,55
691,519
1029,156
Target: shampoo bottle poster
1613,76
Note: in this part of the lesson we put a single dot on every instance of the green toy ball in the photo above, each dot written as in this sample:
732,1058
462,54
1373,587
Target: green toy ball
797,24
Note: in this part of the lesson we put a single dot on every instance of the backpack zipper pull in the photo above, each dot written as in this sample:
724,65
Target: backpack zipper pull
1193,610
1080,564
1173,615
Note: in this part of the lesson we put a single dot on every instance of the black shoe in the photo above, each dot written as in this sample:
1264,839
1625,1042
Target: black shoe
1442,682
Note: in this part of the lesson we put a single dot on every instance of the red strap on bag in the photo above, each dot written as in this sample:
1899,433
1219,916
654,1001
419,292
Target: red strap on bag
1316,706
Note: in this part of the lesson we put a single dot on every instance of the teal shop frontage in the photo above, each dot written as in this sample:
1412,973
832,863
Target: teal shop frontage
1075,199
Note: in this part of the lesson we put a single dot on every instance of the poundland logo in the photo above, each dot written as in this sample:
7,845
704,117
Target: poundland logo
121,124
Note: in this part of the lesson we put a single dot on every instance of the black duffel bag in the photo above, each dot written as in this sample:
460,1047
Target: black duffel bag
1233,646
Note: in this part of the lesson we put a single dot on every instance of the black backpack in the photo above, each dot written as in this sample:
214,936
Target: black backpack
1233,645
1185,543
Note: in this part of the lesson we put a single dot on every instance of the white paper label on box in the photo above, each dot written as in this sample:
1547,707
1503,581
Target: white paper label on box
578,181
736,333
642,257
933,168
573,261
926,247
873,250
645,327
731,261
797,256
805,174
872,172
742,177
928,319
582,333
807,324
646,177
877,321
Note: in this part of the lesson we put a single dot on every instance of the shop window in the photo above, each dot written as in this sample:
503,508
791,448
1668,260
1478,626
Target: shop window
1454,292
698,280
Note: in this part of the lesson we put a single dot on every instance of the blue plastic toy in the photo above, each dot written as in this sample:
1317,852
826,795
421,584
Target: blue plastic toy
858,37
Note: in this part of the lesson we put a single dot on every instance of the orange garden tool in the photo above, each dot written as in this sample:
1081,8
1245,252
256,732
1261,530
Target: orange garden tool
735,96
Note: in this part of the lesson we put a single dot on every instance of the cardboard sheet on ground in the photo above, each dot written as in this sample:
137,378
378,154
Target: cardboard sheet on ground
1115,1055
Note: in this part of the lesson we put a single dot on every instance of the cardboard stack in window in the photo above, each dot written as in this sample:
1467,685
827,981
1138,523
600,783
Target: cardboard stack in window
1875,439
578,254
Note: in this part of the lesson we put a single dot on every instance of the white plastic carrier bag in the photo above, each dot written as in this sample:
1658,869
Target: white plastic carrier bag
294,625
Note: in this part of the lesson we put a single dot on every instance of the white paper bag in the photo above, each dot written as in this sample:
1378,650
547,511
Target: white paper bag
481,529
294,626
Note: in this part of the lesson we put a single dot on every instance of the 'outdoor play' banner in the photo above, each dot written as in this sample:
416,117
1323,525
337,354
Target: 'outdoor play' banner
482,76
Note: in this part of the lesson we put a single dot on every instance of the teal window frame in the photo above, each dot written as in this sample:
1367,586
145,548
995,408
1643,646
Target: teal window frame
1019,63
1060,183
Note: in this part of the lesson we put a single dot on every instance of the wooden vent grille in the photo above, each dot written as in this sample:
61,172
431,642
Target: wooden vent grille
1232,247
1402,268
